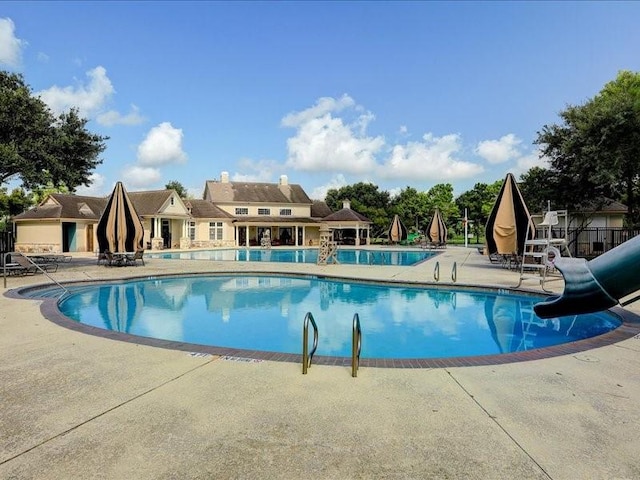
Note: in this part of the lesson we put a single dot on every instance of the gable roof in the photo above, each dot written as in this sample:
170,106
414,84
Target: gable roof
150,202
255,192
66,205
206,209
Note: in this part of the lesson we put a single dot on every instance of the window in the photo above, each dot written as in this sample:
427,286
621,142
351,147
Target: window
215,230
192,231
172,200
242,211
264,211
285,211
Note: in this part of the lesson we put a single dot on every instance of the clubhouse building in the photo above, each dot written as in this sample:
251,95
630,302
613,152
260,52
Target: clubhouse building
230,214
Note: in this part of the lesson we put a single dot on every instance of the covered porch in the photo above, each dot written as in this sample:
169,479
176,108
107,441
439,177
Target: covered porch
282,232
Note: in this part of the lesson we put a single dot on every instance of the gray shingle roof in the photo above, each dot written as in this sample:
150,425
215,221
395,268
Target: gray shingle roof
149,202
68,206
255,192
346,215
320,209
206,209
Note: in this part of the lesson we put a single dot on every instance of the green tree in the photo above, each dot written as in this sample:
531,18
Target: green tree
365,199
441,197
595,151
12,204
479,201
178,187
538,187
412,207
39,148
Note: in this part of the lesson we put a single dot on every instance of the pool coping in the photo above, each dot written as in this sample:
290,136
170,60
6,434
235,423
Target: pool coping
630,327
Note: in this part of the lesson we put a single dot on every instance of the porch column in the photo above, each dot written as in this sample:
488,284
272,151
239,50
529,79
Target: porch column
357,235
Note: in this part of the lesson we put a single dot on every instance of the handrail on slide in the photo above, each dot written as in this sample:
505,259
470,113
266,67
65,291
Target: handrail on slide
356,345
306,355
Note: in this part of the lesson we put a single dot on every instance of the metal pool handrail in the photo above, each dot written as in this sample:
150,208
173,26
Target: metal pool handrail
306,356
356,345
42,270
436,272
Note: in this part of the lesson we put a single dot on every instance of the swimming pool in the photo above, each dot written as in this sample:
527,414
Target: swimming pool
304,255
265,313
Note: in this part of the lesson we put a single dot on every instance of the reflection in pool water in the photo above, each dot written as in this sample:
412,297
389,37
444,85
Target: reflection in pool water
266,313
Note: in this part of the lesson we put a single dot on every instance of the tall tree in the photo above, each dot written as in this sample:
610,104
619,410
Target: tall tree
595,151
441,197
538,187
178,187
366,199
412,207
38,148
479,201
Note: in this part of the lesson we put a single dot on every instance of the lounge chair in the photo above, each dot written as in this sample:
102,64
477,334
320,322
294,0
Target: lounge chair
17,270
29,267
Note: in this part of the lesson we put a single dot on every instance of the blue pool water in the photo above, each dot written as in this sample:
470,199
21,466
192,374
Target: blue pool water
267,312
305,255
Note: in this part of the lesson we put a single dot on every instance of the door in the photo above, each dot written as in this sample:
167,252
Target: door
166,233
68,237
89,239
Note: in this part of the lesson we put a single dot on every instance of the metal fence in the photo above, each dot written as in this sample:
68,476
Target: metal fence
591,242
6,244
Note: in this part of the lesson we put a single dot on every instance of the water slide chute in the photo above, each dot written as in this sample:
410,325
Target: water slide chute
595,285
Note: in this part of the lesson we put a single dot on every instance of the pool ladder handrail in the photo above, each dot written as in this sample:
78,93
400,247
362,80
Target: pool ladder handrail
42,270
356,345
306,355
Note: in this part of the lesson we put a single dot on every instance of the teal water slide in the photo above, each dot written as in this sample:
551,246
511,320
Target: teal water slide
595,285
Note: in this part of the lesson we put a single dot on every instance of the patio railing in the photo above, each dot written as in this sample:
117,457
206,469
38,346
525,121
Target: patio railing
591,242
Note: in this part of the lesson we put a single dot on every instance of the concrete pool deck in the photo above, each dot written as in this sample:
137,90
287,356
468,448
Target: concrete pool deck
82,406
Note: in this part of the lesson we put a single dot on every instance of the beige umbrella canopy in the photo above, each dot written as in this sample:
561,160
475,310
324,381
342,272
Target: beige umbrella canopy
437,230
120,228
397,230
509,224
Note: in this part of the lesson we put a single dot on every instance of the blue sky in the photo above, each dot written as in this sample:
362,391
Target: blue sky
328,93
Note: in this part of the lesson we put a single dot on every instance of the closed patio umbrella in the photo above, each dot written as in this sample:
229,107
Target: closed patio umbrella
509,223
120,228
437,230
397,230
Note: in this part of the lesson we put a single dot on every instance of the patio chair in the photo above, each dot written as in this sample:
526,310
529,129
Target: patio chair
102,258
133,259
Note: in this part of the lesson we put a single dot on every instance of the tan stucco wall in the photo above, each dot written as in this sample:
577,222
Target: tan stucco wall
39,235
296,210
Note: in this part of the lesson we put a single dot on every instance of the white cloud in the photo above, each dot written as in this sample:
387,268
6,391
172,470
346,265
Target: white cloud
10,45
432,159
320,193
326,143
43,57
95,189
88,99
256,171
141,177
499,151
323,106
526,162
113,117
162,146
